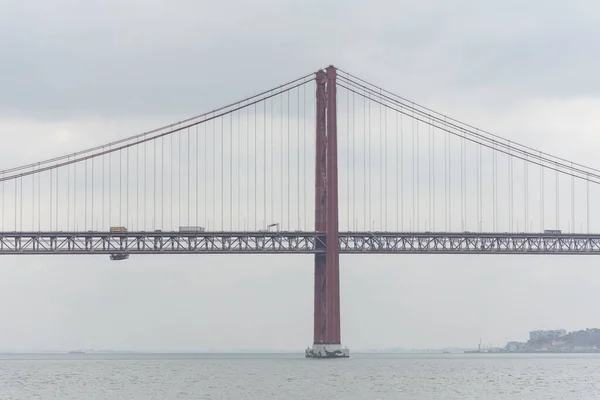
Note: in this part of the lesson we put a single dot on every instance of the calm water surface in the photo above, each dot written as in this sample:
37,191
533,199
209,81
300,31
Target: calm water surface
258,377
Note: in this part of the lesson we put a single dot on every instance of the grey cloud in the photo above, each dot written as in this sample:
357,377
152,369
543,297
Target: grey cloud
114,59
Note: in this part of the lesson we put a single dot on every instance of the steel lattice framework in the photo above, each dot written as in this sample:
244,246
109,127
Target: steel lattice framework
156,243
468,243
91,243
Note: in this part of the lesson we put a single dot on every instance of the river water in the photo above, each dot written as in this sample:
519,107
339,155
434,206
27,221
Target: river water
259,377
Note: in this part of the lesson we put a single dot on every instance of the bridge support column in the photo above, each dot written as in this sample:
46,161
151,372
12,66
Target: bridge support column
327,335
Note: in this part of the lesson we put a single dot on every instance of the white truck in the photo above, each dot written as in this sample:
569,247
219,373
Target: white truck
191,229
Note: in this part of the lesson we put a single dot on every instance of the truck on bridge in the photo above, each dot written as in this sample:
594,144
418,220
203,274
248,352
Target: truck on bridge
553,231
118,256
191,229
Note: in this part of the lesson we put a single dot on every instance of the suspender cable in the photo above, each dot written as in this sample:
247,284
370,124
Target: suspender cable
496,188
572,204
127,190
214,173
109,189
510,192
304,159
381,173
429,185
281,159
385,173
365,223
85,190
525,193
353,163
369,221
466,182
587,183
145,194
230,173
433,177
68,196
92,195
449,184
397,173
154,221
205,187
50,213
298,152
255,180
197,172
288,159
401,173
557,201
121,187
21,204
188,176
272,165
33,200
39,176
179,173
446,216
479,188
417,223
172,205
413,226
494,205
16,204
137,187
542,225
222,175
74,195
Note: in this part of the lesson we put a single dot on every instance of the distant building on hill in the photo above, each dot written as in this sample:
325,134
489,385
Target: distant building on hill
535,336
557,341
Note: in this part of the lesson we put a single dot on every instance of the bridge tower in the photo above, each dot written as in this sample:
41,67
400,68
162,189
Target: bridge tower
327,335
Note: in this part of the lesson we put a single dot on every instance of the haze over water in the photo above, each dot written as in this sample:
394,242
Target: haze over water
277,376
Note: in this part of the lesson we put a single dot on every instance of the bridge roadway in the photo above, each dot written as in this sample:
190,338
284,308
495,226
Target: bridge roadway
161,242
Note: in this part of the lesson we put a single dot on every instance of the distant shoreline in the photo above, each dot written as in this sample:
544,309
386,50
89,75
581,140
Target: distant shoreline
534,352
250,353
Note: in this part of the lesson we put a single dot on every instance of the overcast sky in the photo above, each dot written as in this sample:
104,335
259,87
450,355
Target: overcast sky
79,74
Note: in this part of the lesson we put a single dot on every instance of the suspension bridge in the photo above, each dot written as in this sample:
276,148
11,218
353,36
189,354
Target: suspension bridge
324,164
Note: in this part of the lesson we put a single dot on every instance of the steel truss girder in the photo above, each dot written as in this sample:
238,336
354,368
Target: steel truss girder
294,242
469,243
157,243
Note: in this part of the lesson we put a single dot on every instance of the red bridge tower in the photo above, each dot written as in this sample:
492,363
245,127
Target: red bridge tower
327,336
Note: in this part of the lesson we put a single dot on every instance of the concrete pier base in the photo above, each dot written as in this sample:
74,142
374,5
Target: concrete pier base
327,351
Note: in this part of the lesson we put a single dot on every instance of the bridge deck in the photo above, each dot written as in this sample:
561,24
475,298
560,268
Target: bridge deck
29,243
